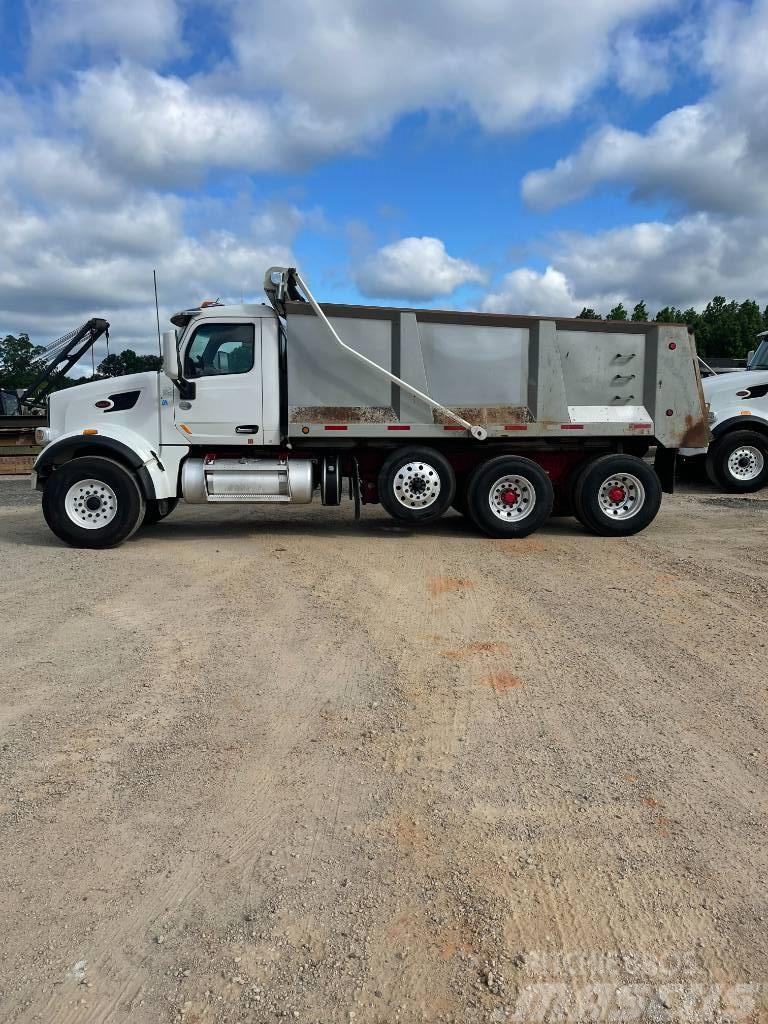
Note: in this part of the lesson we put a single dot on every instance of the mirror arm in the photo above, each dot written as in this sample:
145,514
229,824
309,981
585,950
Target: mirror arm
187,388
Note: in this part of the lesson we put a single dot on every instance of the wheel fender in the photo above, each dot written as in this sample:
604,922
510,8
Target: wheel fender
118,442
738,421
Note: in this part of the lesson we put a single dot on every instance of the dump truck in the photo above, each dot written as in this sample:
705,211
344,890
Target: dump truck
506,419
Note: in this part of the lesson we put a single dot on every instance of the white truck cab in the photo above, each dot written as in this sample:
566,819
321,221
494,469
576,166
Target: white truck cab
737,456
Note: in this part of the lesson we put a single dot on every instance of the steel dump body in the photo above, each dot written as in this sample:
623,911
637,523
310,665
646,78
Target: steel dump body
519,377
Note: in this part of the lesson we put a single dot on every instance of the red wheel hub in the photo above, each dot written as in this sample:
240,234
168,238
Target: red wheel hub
617,494
509,497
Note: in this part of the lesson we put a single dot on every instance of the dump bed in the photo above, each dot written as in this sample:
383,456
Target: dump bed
514,375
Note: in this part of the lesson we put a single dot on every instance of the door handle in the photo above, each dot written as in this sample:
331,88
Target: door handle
247,428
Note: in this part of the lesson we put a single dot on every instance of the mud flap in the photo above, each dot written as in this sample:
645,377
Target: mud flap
665,465
356,486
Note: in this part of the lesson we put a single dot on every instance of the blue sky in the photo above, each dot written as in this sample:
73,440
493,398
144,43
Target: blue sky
482,153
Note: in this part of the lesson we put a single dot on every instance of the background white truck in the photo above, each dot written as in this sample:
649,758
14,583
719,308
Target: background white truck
503,417
737,404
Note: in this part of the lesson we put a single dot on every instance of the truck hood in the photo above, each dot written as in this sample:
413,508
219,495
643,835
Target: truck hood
725,384
128,401
98,389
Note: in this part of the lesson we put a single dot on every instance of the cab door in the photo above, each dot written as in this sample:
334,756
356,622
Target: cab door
222,358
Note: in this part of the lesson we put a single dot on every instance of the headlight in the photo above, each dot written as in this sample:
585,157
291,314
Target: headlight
42,435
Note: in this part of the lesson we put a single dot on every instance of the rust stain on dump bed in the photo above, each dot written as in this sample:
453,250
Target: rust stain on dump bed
342,414
486,414
696,434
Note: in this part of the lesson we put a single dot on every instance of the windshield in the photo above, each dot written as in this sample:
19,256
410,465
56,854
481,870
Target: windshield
759,360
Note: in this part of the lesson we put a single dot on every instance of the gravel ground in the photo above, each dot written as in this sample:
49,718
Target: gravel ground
265,764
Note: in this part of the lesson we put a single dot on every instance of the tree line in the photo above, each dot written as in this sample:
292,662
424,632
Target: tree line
722,329
21,361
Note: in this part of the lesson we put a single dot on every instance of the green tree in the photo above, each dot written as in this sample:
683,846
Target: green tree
690,316
669,315
640,313
20,361
750,325
617,313
118,364
588,314
717,330
765,319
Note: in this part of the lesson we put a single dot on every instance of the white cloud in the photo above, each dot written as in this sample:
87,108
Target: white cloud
527,291
642,65
681,264
64,31
711,155
147,125
62,265
341,73
503,61
414,268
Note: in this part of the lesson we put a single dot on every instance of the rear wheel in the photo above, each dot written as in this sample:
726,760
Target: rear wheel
617,496
509,497
93,502
739,461
416,485
157,509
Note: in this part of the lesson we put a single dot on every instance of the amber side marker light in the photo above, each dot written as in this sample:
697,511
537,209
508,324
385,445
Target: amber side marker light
89,431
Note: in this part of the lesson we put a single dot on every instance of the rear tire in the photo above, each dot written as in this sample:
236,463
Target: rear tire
509,497
93,502
416,485
616,496
157,509
738,462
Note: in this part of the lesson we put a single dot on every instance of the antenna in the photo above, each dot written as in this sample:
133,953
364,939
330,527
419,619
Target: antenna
157,314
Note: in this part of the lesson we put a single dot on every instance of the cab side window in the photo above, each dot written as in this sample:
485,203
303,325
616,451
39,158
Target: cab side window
219,349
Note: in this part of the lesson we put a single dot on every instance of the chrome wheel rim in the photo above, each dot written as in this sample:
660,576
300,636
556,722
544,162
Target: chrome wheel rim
512,498
417,485
90,504
746,463
621,496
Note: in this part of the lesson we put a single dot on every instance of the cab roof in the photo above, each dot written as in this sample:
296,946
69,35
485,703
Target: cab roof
252,310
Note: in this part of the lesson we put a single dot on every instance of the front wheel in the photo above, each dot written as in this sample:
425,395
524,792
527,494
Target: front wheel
739,461
509,497
616,496
93,502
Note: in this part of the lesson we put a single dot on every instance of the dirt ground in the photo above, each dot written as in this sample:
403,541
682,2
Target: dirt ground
263,764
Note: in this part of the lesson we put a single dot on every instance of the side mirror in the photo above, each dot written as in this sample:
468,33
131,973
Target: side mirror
171,355
750,356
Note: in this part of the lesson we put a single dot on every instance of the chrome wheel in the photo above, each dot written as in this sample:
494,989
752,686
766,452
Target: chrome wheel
512,498
417,485
90,504
621,496
746,463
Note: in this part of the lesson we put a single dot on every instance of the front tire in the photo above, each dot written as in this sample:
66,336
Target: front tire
617,496
416,485
93,502
509,497
739,461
